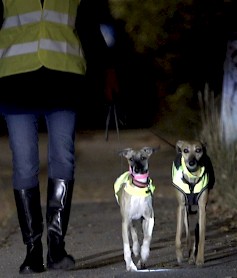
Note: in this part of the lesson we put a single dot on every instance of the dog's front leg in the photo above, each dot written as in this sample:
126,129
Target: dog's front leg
130,266
179,228
135,242
202,228
147,226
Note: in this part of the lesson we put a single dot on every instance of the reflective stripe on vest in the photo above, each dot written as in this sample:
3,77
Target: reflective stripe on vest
177,179
44,37
32,47
46,15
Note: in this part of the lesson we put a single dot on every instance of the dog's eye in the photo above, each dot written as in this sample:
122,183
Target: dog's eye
198,150
143,158
186,150
131,159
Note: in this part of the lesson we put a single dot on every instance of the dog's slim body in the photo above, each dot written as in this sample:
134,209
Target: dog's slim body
133,191
192,177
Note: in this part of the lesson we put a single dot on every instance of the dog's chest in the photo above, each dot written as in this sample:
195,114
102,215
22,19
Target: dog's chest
191,180
140,207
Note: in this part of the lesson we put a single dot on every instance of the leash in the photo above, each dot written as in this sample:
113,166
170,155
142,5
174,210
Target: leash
163,139
113,109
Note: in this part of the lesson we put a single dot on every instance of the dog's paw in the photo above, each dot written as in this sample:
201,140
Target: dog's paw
199,263
179,256
131,267
141,265
191,260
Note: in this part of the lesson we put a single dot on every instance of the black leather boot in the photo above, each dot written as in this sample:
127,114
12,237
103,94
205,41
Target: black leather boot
57,217
31,224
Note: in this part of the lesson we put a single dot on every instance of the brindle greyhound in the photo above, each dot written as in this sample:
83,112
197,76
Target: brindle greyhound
133,191
192,177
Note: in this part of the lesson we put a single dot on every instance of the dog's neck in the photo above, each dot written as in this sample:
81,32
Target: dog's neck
192,177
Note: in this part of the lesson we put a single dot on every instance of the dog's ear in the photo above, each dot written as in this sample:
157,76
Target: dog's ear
178,146
149,150
125,152
204,147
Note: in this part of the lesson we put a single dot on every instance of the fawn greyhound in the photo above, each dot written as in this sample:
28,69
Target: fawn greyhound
192,177
133,191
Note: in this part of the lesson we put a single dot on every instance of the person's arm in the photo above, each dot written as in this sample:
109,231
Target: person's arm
96,31
88,28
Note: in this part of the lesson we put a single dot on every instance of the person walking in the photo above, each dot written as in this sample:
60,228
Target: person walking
43,63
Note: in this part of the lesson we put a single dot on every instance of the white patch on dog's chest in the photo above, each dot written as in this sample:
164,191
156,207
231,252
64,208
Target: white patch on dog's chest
138,207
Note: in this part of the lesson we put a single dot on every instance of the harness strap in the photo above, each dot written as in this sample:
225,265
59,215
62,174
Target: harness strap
191,184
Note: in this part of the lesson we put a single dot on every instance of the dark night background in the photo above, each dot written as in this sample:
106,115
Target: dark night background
193,53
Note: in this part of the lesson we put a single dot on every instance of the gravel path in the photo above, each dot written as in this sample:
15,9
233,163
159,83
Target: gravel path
94,233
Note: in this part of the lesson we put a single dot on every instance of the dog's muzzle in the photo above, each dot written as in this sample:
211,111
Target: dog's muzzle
139,177
192,165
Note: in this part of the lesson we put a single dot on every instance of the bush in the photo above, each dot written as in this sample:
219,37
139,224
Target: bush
223,156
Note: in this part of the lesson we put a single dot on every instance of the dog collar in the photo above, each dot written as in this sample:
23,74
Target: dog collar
139,183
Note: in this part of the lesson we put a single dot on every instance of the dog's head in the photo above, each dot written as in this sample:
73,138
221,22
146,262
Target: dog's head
138,160
192,152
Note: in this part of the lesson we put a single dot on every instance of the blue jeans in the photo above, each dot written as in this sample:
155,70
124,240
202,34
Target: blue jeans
24,145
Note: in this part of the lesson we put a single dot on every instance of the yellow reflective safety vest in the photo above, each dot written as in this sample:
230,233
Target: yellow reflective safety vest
33,36
179,169
126,180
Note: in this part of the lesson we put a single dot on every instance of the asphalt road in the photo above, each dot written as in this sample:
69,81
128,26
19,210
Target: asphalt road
94,232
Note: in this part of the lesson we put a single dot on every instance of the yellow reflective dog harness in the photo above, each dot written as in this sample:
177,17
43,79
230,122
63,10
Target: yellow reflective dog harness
126,180
199,184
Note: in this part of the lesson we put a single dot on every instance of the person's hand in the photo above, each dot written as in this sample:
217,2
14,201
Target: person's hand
111,85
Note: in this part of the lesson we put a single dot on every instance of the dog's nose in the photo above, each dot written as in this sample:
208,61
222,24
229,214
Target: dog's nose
192,163
139,170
